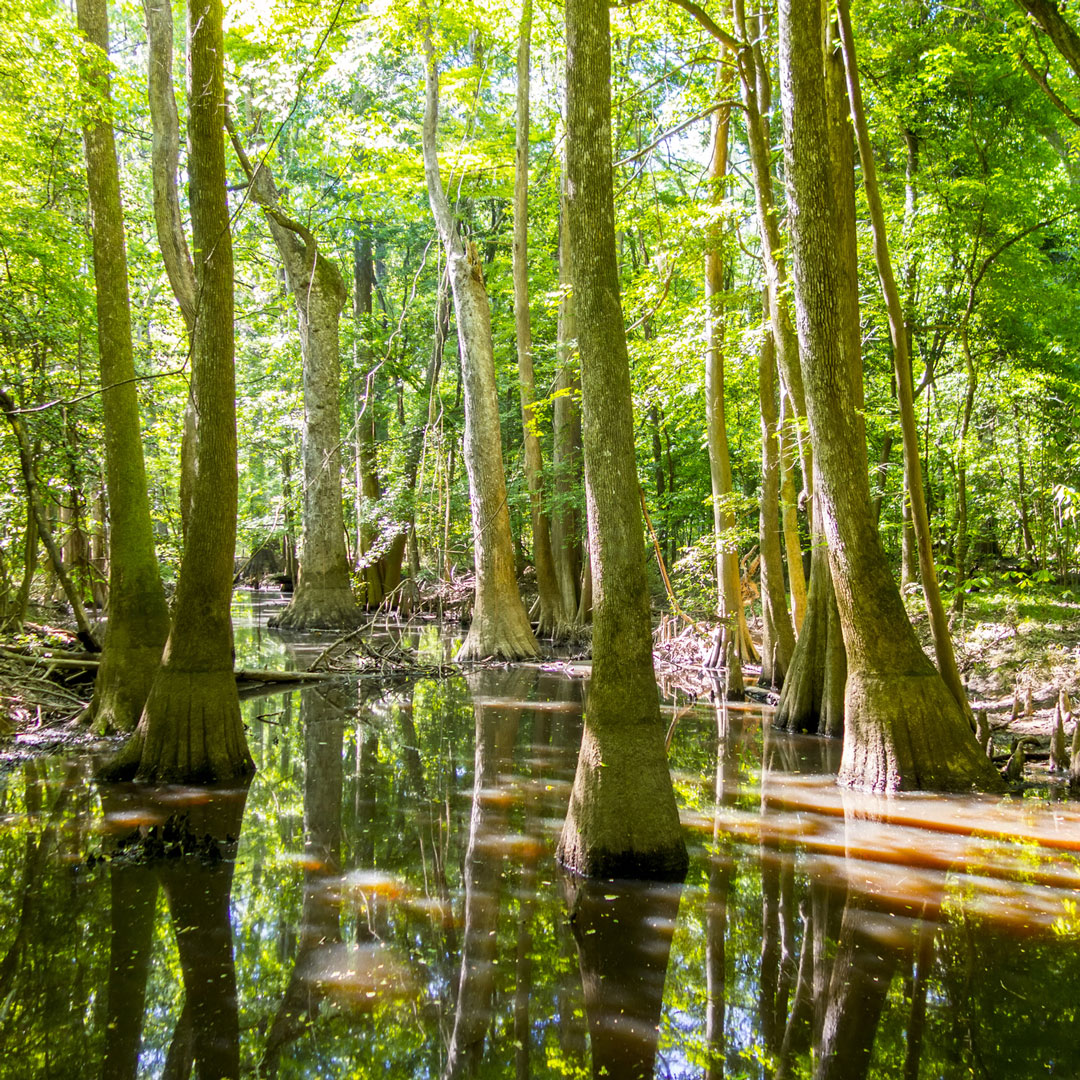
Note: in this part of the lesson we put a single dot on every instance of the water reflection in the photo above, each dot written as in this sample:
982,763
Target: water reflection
184,841
393,908
623,932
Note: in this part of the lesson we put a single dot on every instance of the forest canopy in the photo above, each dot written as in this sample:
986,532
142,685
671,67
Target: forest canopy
974,121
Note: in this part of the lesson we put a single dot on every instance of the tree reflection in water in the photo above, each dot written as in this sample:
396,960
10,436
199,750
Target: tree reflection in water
395,910
185,843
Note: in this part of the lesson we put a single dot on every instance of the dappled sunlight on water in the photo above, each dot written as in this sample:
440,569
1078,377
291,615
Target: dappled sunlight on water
389,904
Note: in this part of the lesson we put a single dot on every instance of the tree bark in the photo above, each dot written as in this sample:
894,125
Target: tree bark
566,454
323,597
903,729
168,218
138,614
789,519
939,626
190,729
500,625
622,820
732,609
553,619
757,101
777,637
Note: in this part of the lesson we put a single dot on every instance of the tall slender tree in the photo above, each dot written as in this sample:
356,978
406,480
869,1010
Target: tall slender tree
500,625
138,615
903,729
732,609
190,729
323,598
553,618
622,820
168,216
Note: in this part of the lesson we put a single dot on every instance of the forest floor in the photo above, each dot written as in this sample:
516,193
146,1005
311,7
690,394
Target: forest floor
1017,646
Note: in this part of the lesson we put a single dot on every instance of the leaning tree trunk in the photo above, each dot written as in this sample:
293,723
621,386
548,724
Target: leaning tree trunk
500,625
323,597
553,620
913,482
36,508
622,820
138,614
190,730
903,729
732,609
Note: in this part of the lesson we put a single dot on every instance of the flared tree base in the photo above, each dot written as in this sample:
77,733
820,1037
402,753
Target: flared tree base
623,821
190,733
499,632
554,625
906,733
320,609
122,686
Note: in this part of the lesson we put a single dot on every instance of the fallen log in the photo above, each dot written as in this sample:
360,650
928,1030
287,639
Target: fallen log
54,658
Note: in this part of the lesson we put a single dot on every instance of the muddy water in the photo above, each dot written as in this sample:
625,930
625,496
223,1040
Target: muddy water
383,902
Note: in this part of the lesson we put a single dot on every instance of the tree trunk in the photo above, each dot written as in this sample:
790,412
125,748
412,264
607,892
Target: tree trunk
962,455
168,218
732,609
902,729
323,597
943,647
789,515
553,620
777,637
190,730
36,507
757,100
566,454
622,820
138,614
812,698
500,625
382,573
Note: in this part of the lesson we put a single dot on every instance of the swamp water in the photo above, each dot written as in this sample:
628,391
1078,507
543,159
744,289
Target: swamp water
383,902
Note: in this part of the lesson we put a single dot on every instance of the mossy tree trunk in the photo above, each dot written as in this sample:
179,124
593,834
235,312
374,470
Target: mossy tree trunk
323,597
903,729
622,820
500,626
898,330
138,614
190,729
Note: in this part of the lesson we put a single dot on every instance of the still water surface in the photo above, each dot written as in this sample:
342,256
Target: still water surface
383,902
